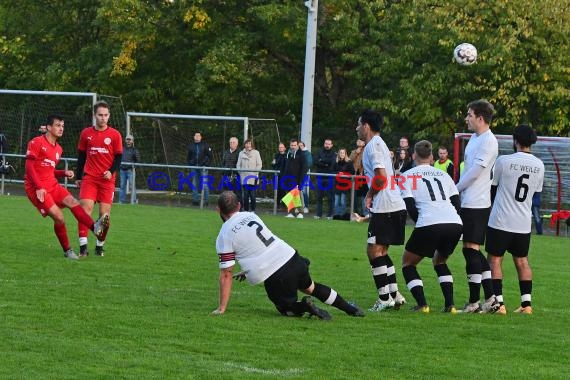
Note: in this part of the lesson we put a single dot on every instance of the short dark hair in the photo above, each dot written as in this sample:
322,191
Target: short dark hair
228,202
249,141
374,119
524,135
51,118
482,108
423,149
100,104
294,139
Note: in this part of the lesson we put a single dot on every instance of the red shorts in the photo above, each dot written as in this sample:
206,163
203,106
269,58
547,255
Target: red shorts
97,189
53,197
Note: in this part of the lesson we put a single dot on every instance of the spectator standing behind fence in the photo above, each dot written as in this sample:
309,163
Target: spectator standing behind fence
403,162
342,166
444,163
278,163
360,192
229,161
199,154
324,163
130,156
309,160
249,158
295,171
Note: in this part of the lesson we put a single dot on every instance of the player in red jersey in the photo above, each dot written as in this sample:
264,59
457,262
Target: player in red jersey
46,194
100,151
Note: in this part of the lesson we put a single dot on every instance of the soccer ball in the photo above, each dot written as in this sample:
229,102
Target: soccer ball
465,54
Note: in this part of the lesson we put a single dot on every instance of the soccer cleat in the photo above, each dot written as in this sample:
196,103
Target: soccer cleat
101,226
290,215
83,252
312,309
490,306
299,216
471,308
380,305
420,309
502,310
357,311
99,251
70,254
399,300
449,309
523,310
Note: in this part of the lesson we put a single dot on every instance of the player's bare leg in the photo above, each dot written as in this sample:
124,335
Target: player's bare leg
496,263
525,284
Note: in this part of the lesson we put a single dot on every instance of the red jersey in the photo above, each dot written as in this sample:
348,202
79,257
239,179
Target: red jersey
100,148
45,156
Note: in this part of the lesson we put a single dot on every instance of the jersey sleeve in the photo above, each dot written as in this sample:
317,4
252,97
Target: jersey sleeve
225,250
33,149
498,171
378,158
118,144
82,143
487,153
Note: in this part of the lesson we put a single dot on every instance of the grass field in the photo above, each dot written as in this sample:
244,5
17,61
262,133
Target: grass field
142,311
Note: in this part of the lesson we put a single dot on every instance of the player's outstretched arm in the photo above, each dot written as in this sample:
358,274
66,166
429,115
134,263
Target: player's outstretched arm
226,281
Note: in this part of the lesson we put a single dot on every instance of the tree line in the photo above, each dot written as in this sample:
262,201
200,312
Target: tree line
246,57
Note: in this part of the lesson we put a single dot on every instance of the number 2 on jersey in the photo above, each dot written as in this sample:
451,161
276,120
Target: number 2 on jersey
265,241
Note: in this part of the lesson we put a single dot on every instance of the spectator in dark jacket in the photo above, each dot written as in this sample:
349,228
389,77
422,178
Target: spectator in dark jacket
343,166
309,160
295,171
278,163
130,155
199,154
324,162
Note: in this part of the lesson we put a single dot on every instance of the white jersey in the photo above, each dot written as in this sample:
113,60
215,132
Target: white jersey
431,192
245,238
518,176
481,150
377,155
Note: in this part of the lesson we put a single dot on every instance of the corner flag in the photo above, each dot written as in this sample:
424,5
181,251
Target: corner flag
292,199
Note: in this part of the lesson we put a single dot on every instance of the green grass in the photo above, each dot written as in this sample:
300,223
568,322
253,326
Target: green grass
143,310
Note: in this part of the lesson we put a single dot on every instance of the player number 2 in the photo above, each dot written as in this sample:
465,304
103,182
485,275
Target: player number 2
522,188
260,235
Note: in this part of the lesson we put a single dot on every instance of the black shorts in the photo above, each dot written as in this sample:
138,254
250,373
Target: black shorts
387,228
424,241
499,241
474,224
281,287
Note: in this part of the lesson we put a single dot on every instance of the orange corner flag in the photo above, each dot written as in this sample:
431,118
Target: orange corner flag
292,199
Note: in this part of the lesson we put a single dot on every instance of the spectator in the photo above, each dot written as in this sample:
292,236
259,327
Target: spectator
444,163
278,163
405,145
324,163
199,154
403,162
229,161
3,147
342,166
249,158
360,192
295,172
305,189
42,130
130,155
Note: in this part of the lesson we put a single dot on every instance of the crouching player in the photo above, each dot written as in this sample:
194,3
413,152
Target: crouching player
46,194
264,257
517,177
433,203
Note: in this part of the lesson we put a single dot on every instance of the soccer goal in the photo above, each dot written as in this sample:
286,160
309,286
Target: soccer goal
22,112
164,139
554,153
